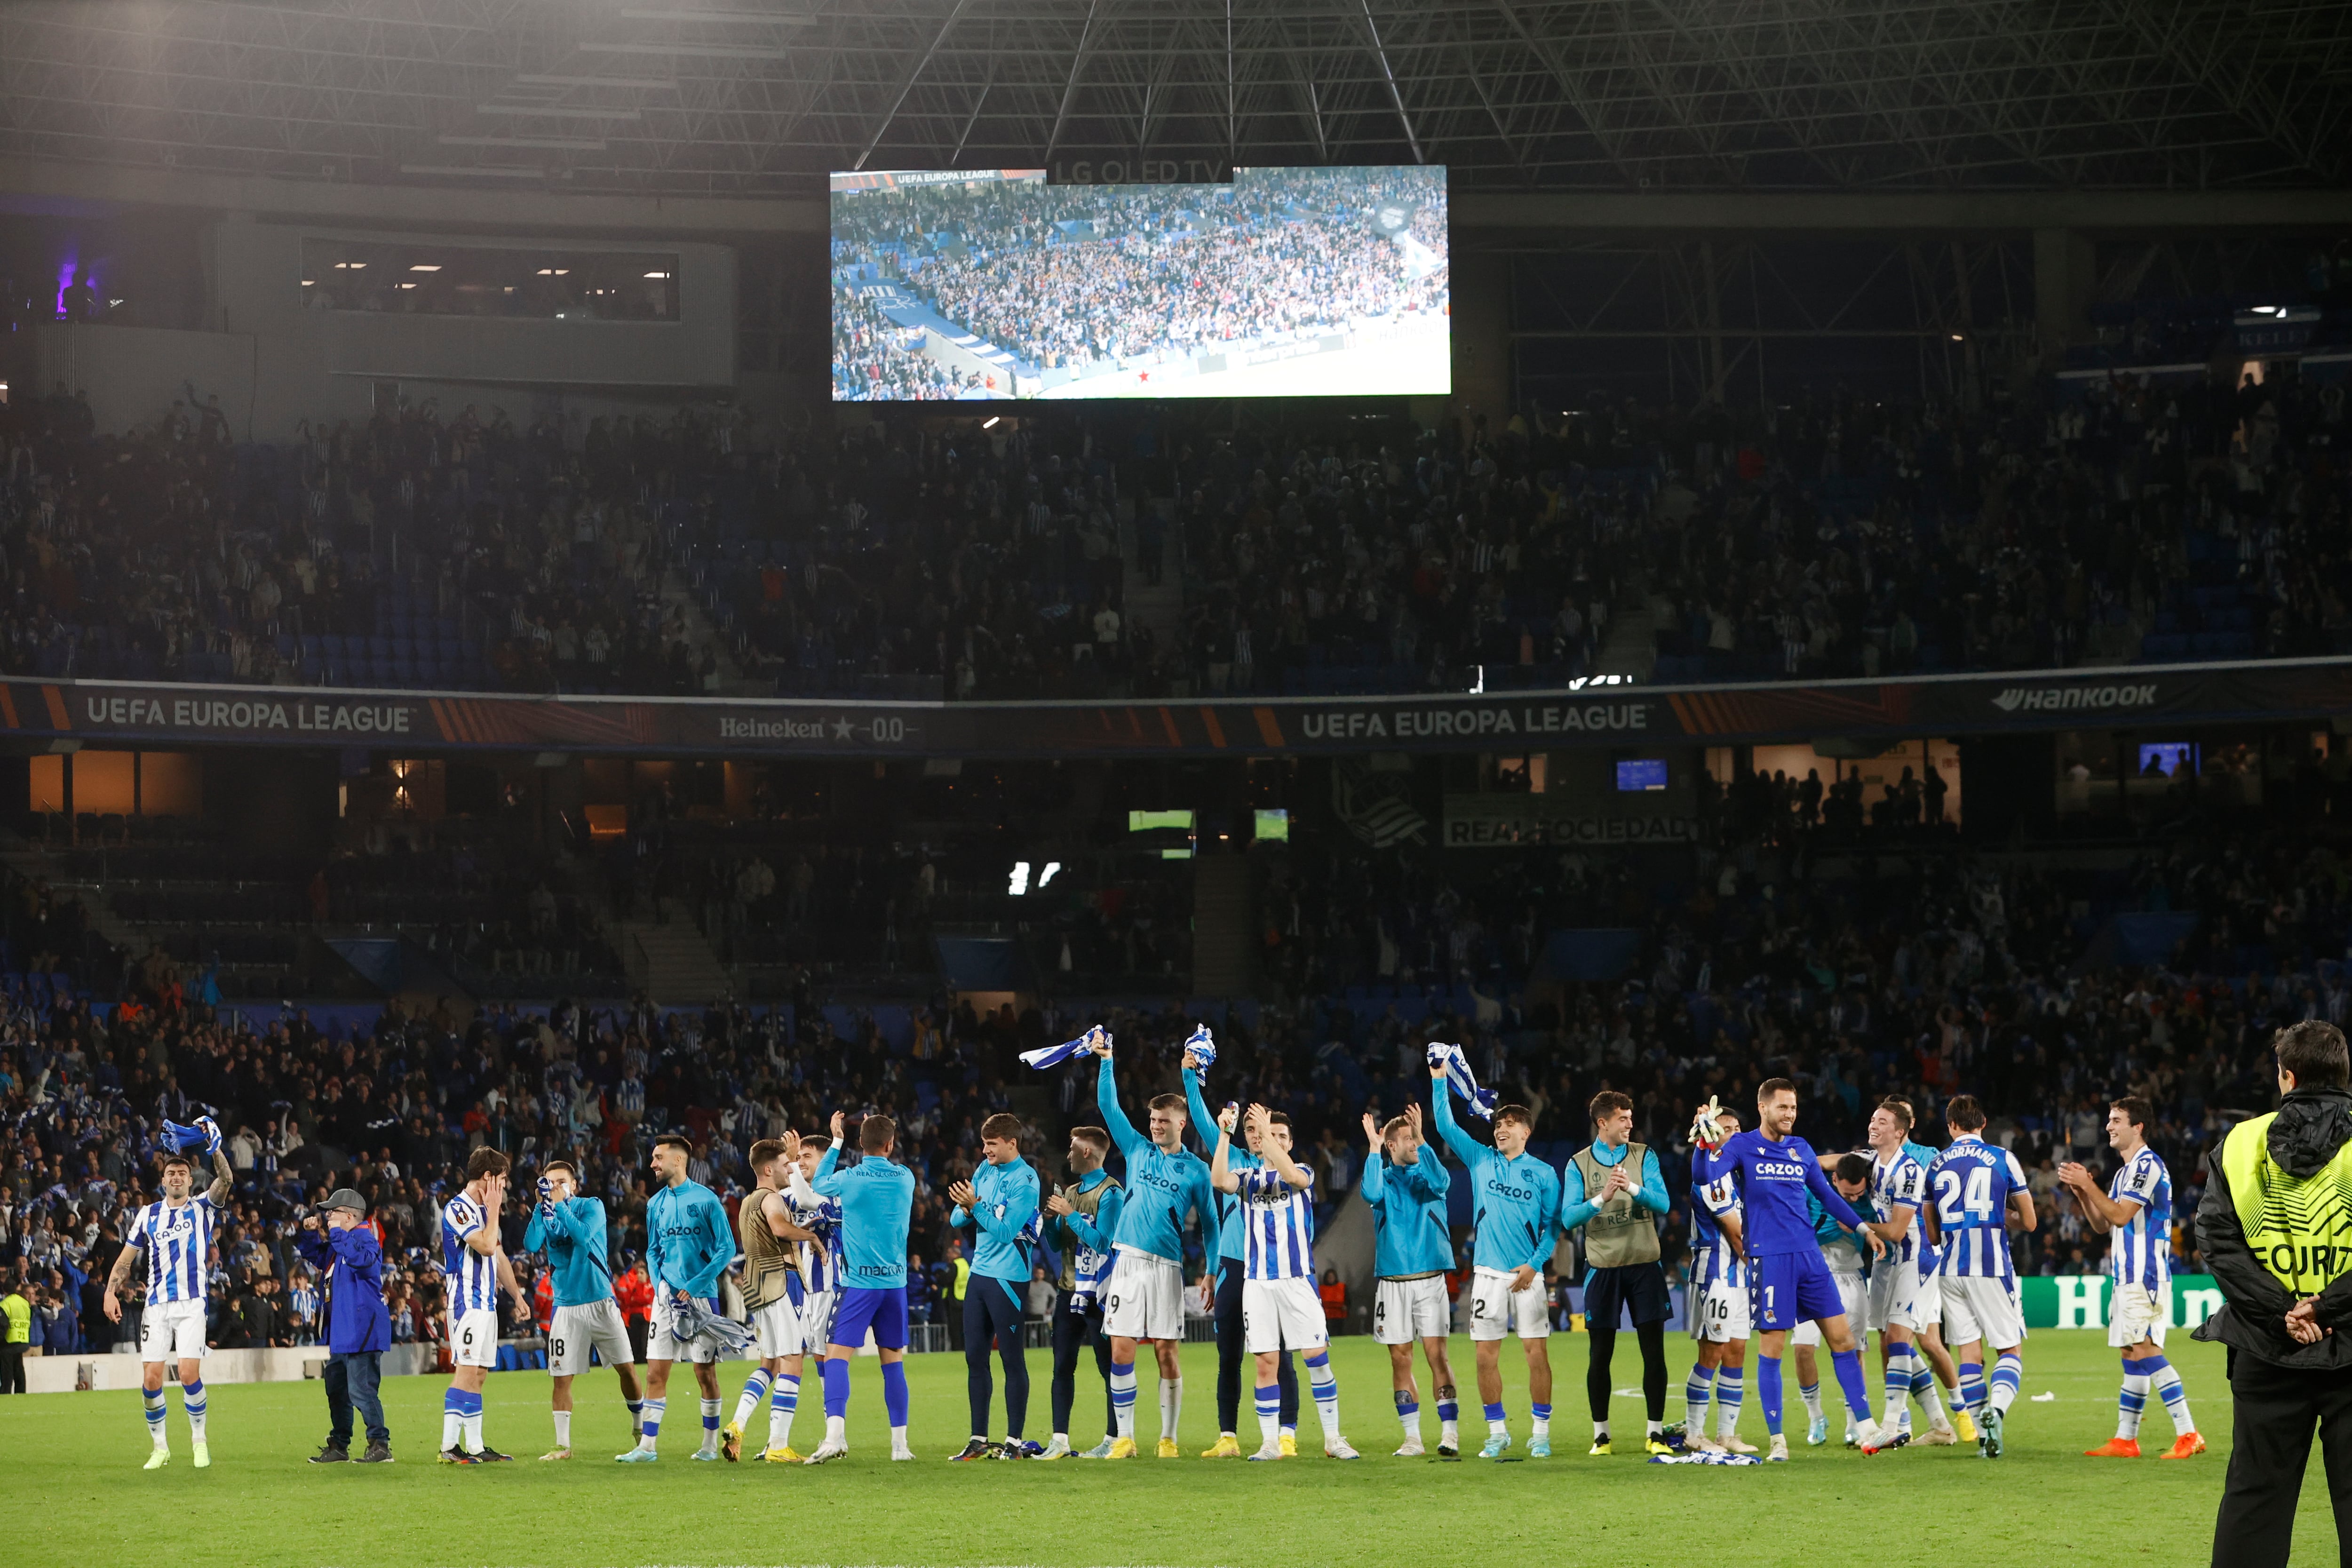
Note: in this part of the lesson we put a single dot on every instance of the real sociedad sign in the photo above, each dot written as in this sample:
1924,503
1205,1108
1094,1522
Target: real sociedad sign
164,714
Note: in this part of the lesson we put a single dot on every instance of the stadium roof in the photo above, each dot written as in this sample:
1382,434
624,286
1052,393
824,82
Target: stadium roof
761,97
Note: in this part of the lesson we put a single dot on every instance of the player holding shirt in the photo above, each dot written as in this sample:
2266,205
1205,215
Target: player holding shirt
1144,1303
1280,1308
2137,1208
1405,1182
1718,1288
571,1229
776,1291
1000,1203
878,1205
1772,1171
1225,1284
1515,1199
1973,1191
176,1239
688,1244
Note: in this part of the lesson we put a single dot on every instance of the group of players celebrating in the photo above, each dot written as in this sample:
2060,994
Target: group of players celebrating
1787,1247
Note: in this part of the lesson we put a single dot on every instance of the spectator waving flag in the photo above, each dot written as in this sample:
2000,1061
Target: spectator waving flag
1200,1047
1458,1075
1055,1056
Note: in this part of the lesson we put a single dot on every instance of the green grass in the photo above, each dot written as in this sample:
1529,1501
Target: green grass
71,1468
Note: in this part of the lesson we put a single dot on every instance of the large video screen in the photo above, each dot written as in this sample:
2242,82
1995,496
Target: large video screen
992,284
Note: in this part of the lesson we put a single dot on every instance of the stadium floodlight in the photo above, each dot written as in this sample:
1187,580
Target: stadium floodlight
1046,875
1019,882
656,273
426,267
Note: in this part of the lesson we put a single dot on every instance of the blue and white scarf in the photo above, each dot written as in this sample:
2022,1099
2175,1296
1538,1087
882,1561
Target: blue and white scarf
691,1320
1201,1048
177,1136
1055,1056
1465,1083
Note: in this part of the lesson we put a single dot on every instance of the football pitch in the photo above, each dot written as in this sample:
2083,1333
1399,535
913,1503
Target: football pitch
72,1468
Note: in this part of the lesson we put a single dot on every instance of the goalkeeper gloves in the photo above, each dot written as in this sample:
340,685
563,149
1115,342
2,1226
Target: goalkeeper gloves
1707,1127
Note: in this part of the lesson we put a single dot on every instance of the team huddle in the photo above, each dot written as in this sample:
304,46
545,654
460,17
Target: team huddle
1789,1249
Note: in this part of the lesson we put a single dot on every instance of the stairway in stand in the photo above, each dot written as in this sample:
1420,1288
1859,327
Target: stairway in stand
1224,938
671,961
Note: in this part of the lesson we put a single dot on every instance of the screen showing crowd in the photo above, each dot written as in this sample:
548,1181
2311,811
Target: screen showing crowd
993,284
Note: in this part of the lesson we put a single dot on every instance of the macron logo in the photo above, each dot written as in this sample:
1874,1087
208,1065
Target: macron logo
2067,698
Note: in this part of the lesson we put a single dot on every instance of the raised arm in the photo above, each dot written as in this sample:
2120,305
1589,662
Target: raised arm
1375,1184
1122,1132
1467,1149
1220,1172
224,1177
1297,1176
1197,1105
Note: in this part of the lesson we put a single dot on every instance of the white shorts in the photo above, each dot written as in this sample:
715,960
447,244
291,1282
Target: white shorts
1145,1298
1497,1311
1980,1309
1282,1315
2137,1314
1850,1291
474,1338
1722,1316
779,1329
1404,1311
172,1330
1927,1305
661,1346
592,1326
1893,1298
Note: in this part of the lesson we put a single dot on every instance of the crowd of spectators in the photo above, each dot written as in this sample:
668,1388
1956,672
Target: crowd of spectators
874,359
1924,972
1070,276
1320,553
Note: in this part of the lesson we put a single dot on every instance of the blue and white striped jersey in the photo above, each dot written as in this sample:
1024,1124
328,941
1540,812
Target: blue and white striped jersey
1899,1180
177,1241
1971,1184
818,1268
2140,1253
473,1278
1712,1261
1277,1227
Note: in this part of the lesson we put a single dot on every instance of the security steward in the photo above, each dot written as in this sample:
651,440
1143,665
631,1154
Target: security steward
2275,1228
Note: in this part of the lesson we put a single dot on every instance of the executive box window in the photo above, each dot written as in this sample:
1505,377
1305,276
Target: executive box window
415,279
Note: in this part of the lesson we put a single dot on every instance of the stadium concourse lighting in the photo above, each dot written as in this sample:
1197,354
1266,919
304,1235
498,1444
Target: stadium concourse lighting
990,423
656,273
1019,882
426,267
1046,875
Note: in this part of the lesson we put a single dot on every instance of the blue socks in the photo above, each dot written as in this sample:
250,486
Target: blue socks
155,1407
894,1391
637,1416
1848,1366
1696,1390
1447,1409
1768,1391
1972,1385
2133,1399
837,1387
